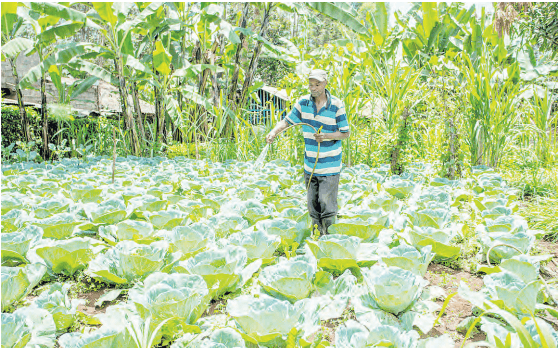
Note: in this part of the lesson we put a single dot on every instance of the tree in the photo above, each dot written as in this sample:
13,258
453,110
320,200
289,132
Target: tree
12,46
44,18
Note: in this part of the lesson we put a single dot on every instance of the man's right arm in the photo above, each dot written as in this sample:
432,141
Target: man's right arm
280,126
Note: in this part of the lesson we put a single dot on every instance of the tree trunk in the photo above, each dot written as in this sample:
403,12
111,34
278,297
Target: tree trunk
235,75
396,165
22,112
138,111
45,154
255,58
130,124
207,59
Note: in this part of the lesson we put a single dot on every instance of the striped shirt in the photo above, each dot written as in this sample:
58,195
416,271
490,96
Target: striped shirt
333,118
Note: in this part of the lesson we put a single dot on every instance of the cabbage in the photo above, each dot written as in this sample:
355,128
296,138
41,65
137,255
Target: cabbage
398,188
438,239
65,256
289,280
166,219
352,334
288,230
18,282
436,218
408,258
259,245
15,245
227,223
55,300
190,239
171,296
112,334
128,262
336,252
58,226
52,206
393,289
516,295
28,327
267,321
14,220
137,231
110,211
224,270
367,230
523,241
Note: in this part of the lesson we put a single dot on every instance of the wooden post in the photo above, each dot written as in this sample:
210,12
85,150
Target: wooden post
114,154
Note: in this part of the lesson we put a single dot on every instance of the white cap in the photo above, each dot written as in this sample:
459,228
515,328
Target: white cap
318,74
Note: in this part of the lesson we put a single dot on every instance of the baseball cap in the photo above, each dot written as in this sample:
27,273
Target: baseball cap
318,74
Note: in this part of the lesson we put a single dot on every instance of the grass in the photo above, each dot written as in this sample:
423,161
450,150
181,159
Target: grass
533,181
542,214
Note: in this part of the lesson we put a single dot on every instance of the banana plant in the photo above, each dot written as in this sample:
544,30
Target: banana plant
439,29
44,19
12,46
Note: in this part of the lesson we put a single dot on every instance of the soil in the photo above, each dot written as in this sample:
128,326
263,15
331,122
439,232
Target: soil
458,308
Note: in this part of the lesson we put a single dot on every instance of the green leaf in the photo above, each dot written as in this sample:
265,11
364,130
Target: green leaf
9,7
334,11
105,11
15,46
58,10
162,59
380,17
95,70
430,17
83,86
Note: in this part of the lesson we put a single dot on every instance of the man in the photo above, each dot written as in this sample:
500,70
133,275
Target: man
319,109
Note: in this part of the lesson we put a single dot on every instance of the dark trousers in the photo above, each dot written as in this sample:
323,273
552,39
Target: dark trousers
322,200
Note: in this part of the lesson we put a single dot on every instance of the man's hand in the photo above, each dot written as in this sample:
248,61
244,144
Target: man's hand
321,137
270,137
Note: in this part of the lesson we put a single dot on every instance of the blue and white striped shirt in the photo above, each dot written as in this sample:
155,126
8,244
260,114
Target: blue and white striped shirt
333,118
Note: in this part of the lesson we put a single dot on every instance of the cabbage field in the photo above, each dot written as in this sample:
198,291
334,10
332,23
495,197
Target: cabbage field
191,253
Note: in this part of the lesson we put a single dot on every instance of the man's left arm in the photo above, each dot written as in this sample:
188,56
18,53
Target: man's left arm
343,131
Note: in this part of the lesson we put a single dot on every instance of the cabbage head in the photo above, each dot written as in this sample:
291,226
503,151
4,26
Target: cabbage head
55,300
352,334
393,289
65,256
110,211
15,245
137,231
399,188
290,280
288,230
171,296
225,337
437,218
58,226
28,327
167,219
227,223
336,252
523,241
17,282
112,334
128,262
407,257
14,220
190,239
259,245
367,230
438,239
267,321
517,296
224,270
